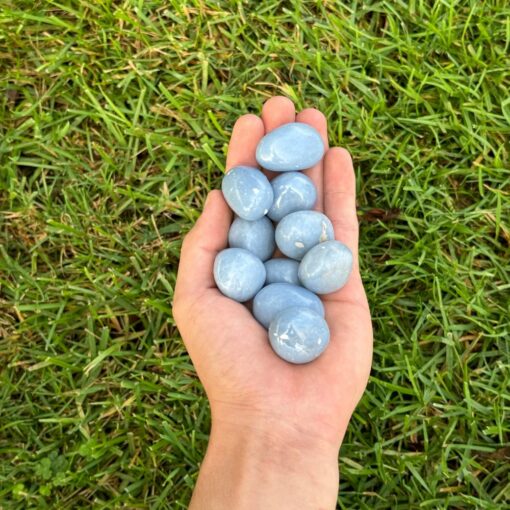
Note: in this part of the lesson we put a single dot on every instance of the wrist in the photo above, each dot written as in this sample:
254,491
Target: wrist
264,463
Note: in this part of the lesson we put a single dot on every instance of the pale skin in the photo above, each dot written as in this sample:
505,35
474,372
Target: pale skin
276,427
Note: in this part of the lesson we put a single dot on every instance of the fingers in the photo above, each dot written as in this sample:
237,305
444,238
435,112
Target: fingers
316,119
200,246
277,111
247,132
340,196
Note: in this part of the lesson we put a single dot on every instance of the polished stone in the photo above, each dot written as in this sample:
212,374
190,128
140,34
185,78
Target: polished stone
326,267
293,191
248,192
276,297
293,146
300,231
239,274
282,271
255,236
298,335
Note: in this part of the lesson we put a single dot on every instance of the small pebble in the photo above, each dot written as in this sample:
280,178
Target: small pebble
282,271
248,192
255,236
239,274
300,231
276,297
326,267
293,191
293,146
299,335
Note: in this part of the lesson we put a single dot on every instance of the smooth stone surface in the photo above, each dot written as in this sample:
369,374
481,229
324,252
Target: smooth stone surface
300,231
282,271
255,236
298,335
292,192
239,274
248,192
326,267
276,297
293,146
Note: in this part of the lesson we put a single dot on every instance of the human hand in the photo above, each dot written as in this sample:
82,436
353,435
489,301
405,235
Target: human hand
293,411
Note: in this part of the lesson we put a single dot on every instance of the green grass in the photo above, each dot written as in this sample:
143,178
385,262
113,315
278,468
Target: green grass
115,118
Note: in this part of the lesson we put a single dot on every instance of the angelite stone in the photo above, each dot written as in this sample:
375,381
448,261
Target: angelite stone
282,271
300,231
299,335
277,297
326,267
239,274
255,236
248,192
293,146
292,191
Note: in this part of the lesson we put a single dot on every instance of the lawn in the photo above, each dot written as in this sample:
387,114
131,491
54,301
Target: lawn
114,123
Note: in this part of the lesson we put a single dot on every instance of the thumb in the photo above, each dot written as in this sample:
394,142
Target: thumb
201,245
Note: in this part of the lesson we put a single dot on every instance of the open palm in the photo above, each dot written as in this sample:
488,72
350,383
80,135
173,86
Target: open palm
242,376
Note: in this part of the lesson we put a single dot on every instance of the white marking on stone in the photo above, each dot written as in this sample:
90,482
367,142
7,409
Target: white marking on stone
299,244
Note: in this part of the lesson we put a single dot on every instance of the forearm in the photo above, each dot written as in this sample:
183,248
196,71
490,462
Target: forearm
259,467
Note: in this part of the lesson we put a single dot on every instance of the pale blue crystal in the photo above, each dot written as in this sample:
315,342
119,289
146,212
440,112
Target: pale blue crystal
299,335
248,192
300,231
276,297
255,236
293,191
282,271
326,267
238,273
293,146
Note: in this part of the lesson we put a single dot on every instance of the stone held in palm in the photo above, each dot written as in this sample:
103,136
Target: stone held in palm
239,274
282,270
255,236
290,147
300,231
248,192
326,267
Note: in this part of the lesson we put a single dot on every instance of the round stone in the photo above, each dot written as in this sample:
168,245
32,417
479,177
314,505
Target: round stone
248,192
239,274
326,267
293,146
276,297
298,335
293,191
300,231
255,236
282,271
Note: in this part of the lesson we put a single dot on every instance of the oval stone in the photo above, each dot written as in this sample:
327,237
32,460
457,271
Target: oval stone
276,297
239,274
298,335
248,192
293,146
293,191
326,267
282,271
300,231
255,236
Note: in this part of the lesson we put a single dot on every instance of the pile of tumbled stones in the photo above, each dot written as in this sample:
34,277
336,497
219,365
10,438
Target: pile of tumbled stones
278,214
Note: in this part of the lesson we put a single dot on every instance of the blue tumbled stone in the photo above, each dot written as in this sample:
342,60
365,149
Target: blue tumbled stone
292,192
282,271
300,231
276,297
238,273
255,236
248,192
326,267
298,335
293,146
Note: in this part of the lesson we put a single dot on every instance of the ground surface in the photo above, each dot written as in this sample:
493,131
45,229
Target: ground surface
115,117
